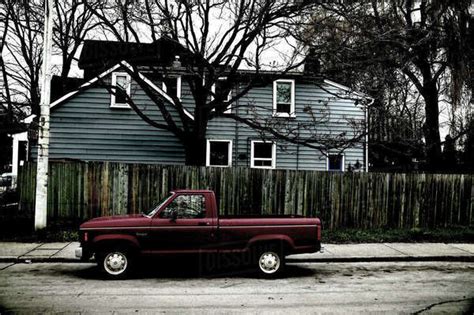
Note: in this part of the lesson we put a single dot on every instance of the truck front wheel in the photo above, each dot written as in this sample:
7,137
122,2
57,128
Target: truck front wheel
115,262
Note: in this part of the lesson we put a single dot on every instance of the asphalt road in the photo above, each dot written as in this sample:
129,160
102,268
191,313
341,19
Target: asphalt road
407,287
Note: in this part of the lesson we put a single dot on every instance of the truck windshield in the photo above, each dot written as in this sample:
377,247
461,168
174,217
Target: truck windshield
151,212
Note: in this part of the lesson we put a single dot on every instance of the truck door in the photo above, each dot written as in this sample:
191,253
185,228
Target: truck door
183,225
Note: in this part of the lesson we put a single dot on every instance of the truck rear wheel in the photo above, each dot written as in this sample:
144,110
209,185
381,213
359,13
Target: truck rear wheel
115,263
271,261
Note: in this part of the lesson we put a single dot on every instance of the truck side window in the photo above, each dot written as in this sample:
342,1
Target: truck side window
187,207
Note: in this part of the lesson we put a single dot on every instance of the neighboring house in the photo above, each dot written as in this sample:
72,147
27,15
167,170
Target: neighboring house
90,124
20,148
14,152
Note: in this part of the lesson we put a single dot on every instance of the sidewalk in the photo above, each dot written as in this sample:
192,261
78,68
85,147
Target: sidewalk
389,252
64,252
38,252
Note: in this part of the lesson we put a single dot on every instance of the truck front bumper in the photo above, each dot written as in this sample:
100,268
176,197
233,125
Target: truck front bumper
82,254
78,252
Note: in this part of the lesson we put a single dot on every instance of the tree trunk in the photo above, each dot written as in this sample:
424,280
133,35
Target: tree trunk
64,76
35,99
431,130
195,151
195,144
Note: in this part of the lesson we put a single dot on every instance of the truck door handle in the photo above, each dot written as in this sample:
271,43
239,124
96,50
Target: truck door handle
203,223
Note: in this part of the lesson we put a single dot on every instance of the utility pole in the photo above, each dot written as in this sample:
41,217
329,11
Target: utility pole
41,202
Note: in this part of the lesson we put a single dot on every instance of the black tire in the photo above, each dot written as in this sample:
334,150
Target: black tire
269,260
115,262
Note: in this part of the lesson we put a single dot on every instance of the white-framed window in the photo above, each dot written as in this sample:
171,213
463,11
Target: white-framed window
262,154
219,153
284,98
217,88
172,86
335,162
120,82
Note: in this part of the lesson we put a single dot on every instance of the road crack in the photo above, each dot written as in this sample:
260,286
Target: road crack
11,264
441,303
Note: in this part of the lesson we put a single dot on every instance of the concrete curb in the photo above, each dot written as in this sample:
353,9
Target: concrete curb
381,259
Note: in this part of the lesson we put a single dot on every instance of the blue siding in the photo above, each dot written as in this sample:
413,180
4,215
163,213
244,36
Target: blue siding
322,102
86,128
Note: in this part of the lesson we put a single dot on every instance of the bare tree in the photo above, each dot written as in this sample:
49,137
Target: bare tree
427,42
23,44
219,39
73,23
4,90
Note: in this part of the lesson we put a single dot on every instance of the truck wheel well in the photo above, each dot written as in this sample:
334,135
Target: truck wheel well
107,244
281,245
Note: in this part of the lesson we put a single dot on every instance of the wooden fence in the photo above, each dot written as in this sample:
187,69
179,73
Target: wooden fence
80,190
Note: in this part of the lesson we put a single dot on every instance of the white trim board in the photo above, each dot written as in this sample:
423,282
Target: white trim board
349,90
83,86
125,64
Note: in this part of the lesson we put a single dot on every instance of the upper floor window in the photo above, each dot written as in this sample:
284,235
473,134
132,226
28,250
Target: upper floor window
335,162
262,154
284,98
219,153
172,86
218,91
121,83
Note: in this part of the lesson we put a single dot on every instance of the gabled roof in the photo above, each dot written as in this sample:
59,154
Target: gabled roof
109,71
99,55
96,53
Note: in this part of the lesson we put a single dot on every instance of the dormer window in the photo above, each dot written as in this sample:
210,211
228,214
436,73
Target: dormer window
172,86
284,98
121,83
218,91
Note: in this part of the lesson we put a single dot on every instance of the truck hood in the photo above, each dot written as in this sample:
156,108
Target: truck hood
117,221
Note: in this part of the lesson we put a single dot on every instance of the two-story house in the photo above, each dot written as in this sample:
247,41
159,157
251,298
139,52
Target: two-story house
92,124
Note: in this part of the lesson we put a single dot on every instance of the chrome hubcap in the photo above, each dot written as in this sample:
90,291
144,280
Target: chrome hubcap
269,262
115,263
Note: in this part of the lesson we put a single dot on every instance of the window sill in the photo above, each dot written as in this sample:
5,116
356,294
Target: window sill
283,115
263,167
120,106
221,166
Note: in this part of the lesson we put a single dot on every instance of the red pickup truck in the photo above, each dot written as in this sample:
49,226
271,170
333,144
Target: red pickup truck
187,222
